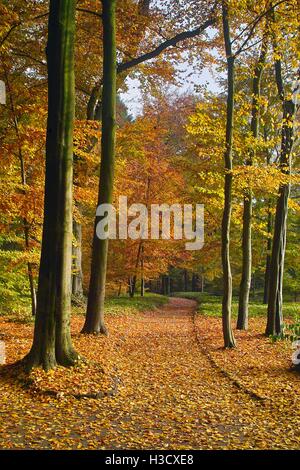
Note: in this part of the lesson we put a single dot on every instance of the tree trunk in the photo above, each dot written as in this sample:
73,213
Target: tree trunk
142,273
242,321
137,263
194,282
165,285
30,272
77,288
275,317
202,282
26,229
168,285
52,340
139,257
129,283
119,289
229,341
142,287
94,322
268,258
186,280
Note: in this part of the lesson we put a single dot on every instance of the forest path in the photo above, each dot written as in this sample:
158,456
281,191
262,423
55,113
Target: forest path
170,395
177,398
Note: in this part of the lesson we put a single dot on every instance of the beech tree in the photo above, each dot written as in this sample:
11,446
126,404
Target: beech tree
287,95
52,340
245,37
229,340
94,322
242,321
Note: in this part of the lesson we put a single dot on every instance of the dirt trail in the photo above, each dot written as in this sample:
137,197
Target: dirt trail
179,399
170,397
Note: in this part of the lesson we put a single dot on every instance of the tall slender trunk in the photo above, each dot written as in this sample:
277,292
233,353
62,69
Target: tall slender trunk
229,340
165,285
202,282
195,279
52,339
26,225
137,263
139,257
77,287
94,322
186,280
142,273
268,257
168,285
129,282
275,316
242,320
30,270
119,289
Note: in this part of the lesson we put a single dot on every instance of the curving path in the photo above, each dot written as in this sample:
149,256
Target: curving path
170,396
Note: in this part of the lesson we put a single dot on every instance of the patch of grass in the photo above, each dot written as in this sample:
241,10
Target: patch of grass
113,306
211,305
126,305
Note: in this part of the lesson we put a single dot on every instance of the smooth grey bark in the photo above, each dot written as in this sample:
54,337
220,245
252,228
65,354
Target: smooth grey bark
77,276
52,339
268,257
229,340
245,285
275,316
94,322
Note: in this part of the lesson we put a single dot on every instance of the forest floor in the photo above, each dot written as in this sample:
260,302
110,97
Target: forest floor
160,380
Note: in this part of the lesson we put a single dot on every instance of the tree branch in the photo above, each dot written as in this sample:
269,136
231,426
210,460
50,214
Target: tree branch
89,12
165,45
254,23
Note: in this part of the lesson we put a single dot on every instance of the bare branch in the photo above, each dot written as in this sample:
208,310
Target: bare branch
90,12
253,24
165,45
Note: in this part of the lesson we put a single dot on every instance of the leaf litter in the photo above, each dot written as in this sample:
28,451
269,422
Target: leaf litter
160,380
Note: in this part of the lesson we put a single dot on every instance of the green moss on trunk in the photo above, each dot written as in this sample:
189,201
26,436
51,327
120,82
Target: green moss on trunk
52,340
94,322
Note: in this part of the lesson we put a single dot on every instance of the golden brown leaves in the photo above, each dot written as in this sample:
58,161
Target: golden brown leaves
169,393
